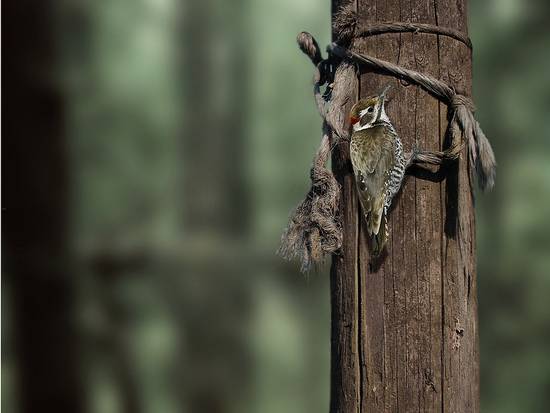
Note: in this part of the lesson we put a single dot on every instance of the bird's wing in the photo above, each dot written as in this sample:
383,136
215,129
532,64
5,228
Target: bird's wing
367,151
372,159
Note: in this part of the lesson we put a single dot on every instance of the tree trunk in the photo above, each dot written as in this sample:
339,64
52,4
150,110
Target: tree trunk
404,330
35,213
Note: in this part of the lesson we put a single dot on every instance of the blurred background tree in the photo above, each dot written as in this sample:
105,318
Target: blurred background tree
188,130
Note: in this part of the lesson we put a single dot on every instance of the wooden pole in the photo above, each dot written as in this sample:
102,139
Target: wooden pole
405,332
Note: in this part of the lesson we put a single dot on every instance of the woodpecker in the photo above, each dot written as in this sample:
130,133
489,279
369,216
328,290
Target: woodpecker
379,164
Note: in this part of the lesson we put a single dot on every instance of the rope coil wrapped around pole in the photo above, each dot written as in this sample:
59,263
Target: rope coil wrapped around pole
314,230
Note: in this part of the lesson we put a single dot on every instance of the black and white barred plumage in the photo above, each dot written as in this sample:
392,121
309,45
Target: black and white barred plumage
397,173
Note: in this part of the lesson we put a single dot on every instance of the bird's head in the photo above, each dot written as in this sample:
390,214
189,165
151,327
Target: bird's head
368,111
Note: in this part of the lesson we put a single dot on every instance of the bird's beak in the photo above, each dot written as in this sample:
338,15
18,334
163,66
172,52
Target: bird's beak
384,91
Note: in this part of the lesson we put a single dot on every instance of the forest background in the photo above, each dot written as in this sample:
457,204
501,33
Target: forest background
189,131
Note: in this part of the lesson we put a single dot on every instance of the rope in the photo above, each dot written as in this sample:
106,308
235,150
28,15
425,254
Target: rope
314,228
436,87
395,27
346,27
462,118
309,46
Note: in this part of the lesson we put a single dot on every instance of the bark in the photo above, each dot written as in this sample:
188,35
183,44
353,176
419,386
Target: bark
404,328
34,212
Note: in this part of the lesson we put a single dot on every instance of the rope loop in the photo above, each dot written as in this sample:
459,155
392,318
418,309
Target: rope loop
347,27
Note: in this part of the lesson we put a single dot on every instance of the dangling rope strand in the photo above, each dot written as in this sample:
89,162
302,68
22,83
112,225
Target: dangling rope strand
314,229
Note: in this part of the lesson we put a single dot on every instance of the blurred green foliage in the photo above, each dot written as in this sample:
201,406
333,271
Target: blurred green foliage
512,92
171,318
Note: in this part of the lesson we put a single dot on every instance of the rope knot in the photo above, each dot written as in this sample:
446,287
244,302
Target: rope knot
461,100
309,46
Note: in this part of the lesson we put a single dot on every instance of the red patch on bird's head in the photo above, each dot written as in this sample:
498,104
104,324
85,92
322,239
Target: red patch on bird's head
354,119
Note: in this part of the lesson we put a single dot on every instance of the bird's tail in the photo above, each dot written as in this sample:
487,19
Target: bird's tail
378,241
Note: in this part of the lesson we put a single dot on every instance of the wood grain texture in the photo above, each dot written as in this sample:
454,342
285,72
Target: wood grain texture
345,374
404,329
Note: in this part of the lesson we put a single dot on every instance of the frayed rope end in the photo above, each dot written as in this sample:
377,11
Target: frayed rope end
310,47
480,152
314,230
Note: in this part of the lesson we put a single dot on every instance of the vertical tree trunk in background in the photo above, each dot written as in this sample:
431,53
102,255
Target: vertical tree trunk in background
214,66
35,214
404,332
215,208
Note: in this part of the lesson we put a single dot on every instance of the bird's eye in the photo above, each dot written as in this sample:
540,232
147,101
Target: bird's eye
370,109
